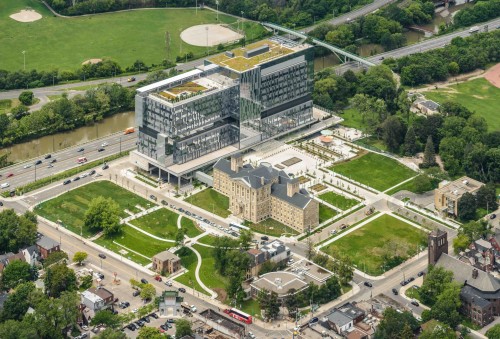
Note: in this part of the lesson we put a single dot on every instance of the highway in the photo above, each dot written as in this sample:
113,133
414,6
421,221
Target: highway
371,7
26,172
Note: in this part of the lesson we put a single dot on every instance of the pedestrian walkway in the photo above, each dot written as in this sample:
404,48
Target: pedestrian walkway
197,274
147,233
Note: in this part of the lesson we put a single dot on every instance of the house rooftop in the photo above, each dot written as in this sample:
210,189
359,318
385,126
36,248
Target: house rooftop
338,318
430,105
460,186
94,298
101,292
280,282
166,255
244,58
46,242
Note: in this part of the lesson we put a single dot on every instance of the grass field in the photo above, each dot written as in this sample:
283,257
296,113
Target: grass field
208,239
189,261
352,118
162,223
136,241
478,95
64,43
270,227
191,229
366,246
325,213
210,277
338,200
374,170
70,207
410,186
211,201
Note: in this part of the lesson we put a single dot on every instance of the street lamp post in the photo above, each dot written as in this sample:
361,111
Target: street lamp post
35,171
206,29
217,3
24,60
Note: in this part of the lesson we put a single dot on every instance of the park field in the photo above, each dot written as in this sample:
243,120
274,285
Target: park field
374,170
64,43
338,200
369,245
478,95
71,206
212,201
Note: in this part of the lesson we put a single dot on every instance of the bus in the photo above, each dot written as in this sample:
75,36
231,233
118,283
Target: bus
81,160
237,314
129,130
237,227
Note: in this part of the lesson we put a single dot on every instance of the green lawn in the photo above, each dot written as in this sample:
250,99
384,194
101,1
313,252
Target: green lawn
210,277
374,170
250,306
211,201
189,261
208,239
410,186
162,223
372,142
352,118
64,43
270,227
478,95
338,200
191,229
5,105
136,241
325,213
70,207
383,236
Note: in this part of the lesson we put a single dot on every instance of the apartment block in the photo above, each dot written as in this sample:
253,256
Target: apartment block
447,195
234,101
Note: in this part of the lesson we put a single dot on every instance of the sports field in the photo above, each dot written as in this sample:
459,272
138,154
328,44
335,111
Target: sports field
374,170
64,43
478,95
381,238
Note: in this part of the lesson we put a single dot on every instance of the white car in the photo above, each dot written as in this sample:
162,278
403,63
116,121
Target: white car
251,335
135,310
104,144
27,166
168,283
4,185
84,175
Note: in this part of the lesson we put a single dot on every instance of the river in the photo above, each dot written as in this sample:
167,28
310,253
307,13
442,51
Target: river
51,143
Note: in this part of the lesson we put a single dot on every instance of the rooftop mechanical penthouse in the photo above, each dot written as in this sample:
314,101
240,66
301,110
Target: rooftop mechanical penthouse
234,101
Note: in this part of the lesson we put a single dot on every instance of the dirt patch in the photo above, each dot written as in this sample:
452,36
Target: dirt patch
493,75
478,96
26,15
216,34
221,294
91,61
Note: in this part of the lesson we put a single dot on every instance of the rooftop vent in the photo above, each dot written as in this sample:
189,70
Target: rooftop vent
229,54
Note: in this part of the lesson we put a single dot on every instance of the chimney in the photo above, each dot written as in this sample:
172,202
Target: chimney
236,162
292,187
262,181
474,273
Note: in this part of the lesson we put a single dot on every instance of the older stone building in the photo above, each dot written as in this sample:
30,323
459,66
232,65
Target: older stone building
259,193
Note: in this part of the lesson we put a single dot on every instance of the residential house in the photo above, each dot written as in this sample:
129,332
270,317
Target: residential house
97,299
344,318
30,255
166,262
46,246
274,251
427,107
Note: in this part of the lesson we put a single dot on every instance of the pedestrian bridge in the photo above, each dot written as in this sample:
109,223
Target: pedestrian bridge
340,53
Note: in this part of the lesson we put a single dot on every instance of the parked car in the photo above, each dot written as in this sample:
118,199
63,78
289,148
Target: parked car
154,315
158,278
144,281
38,162
102,255
410,279
168,283
265,237
76,178
313,320
48,156
53,161
100,149
493,216
146,319
65,182
132,327
421,273
368,284
163,327
92,172
132,79
182,290
136,293
394,291
104,144
170,321
152,197
105,166
27,166
164,203
415,303
10,175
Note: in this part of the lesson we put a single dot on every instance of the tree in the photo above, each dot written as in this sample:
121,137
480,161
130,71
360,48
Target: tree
17,302
15,273
422,184
486,197
179,237
268,302
410,144
54,257
148,292
80,257
106,317
467,207
151,333
102,214
16,232
494,332
291,303
435,281
460,243
59,278
12,329
436,329
429,154
394,323
86,282
182,328
394,133
246,237
453,68
474,230
26,97
446,308
109,333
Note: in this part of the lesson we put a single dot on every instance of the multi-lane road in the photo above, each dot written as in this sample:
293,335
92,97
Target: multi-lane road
26,172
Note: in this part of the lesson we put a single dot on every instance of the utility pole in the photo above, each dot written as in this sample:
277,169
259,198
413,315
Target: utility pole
217,3
206,28
24,60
